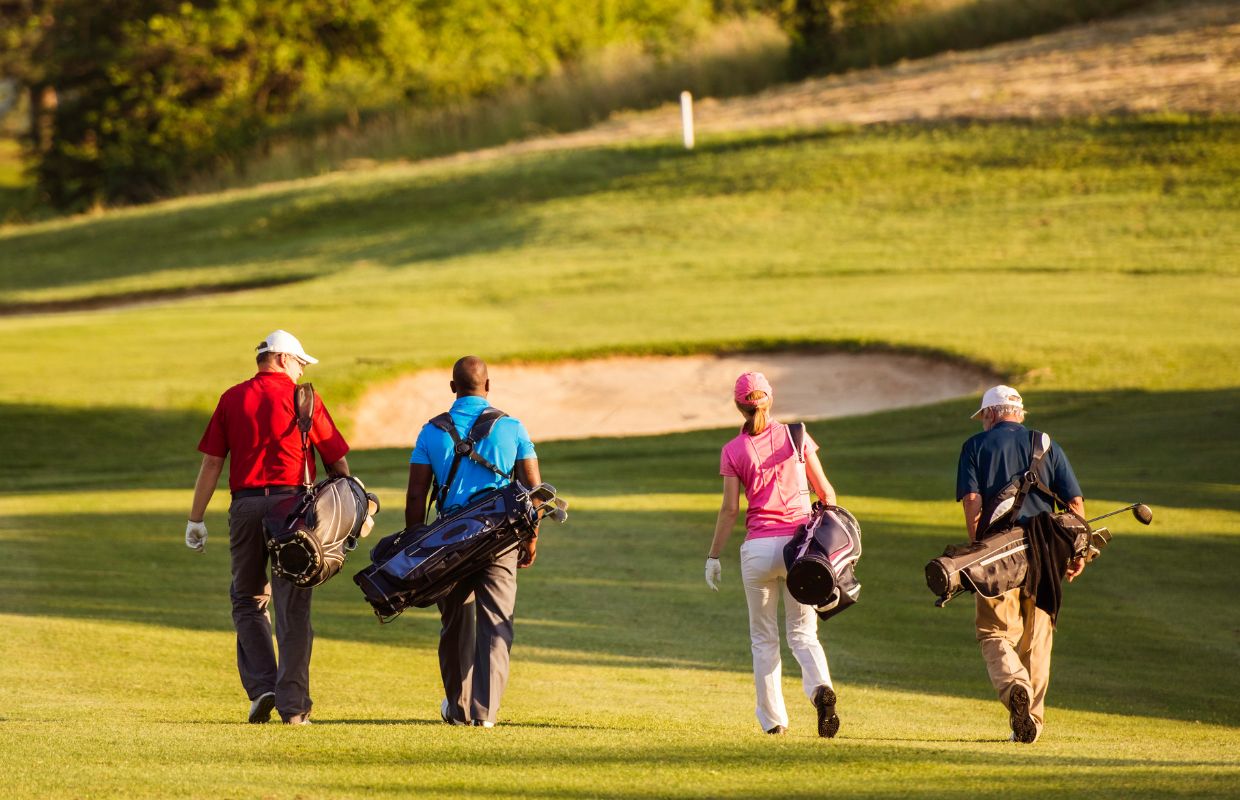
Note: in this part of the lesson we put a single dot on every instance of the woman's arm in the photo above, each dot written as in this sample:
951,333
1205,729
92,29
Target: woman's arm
818,479
728,511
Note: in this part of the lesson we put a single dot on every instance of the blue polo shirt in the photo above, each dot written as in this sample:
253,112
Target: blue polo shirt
508,443
991,459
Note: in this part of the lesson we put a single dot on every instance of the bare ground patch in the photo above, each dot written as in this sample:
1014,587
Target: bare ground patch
1184,59
636,396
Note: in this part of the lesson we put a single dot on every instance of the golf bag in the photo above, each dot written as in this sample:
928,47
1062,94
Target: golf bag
310,533
1000,562
822,559
421,566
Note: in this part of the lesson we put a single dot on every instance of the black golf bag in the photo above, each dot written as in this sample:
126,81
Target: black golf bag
822,559
310,533
1000,562
421,566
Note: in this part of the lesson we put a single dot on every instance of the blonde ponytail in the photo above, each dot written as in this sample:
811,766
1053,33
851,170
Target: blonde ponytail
757,412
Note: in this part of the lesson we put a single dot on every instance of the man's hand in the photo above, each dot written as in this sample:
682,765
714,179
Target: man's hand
529,552
714,573
1075,567
196,535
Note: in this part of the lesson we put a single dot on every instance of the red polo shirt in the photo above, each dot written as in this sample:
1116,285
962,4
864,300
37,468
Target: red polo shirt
255,422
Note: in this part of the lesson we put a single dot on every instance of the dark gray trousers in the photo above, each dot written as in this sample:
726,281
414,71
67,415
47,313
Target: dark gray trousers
476,639
251,593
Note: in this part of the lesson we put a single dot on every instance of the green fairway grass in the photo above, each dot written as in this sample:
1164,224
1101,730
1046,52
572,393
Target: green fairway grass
1094,264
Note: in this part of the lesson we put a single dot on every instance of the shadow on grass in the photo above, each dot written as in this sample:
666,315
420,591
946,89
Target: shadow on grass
1142,634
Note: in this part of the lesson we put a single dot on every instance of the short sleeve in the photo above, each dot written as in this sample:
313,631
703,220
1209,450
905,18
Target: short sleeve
525,447
726,468
326,438
421,448
809,446
214,441
966,472
1063,479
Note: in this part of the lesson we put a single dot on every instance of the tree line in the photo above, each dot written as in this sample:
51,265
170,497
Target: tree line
126,96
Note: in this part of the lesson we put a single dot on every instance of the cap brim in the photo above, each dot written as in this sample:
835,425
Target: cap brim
977,413
309,359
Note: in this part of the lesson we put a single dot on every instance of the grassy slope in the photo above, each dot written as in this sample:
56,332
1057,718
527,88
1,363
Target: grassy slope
631,679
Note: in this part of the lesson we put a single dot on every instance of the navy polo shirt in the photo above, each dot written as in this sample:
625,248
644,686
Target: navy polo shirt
508,443
991,459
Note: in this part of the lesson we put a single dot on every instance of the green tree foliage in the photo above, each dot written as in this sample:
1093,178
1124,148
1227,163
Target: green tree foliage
131,94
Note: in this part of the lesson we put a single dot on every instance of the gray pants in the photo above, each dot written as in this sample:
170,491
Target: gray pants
475,640
251,593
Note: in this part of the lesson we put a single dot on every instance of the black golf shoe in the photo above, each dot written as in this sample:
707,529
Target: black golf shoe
828,720
1024,729
260,709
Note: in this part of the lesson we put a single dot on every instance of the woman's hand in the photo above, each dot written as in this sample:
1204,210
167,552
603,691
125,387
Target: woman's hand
714,572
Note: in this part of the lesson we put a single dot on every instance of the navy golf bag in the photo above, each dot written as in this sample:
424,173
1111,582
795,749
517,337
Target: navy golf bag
420,567
822,559
310,533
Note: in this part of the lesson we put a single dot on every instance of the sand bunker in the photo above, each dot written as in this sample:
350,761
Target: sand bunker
635,396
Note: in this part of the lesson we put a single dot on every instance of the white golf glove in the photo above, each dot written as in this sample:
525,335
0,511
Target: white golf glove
714,571
196,535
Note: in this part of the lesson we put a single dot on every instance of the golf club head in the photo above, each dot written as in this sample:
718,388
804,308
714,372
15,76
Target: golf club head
1143,513
559,515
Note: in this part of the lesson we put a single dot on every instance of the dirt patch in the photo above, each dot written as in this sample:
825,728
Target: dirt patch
635,396
1184,59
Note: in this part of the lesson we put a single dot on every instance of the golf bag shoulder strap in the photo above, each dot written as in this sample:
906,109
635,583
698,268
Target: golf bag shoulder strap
303,408
796,432
1041,443
467,447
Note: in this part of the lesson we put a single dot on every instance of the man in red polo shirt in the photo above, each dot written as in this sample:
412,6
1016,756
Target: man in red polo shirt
256,423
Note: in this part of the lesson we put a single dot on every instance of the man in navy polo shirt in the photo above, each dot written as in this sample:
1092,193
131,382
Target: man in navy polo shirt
255,422
476,637
1014,634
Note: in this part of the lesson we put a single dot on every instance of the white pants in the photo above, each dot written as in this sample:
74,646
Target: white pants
763,573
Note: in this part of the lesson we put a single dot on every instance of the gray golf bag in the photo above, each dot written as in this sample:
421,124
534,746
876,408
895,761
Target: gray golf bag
421,566
310,533
822,559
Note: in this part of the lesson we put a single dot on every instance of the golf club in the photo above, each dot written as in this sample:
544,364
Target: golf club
1139,510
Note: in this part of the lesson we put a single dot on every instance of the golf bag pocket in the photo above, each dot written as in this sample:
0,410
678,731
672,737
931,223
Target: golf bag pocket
821,559
310,533
420,567
988,567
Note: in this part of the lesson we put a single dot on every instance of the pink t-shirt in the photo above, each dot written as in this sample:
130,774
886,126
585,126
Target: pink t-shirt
774,481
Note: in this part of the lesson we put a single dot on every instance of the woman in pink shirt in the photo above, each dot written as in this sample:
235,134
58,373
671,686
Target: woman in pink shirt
762,460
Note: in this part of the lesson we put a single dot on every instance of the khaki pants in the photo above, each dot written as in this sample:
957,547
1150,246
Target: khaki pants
1015,636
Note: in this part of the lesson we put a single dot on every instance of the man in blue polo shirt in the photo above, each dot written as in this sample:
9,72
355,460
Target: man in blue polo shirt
476,637
1014,634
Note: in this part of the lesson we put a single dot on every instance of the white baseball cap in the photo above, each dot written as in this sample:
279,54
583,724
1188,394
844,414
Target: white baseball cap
285,342
999,396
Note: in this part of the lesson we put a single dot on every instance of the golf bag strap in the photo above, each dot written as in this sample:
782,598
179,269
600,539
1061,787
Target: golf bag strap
303,407
467,447
796,431
1041,446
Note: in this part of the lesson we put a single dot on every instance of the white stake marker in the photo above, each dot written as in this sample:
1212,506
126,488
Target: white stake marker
686,118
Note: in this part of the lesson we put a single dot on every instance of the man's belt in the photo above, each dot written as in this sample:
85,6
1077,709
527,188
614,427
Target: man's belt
264,491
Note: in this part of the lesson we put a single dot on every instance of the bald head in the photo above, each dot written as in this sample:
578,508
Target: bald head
469,377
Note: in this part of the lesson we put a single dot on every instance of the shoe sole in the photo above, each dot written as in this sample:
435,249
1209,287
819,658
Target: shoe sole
1022,723
262,713
828,721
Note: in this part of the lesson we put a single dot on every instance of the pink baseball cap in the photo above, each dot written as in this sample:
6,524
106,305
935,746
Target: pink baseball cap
751,382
